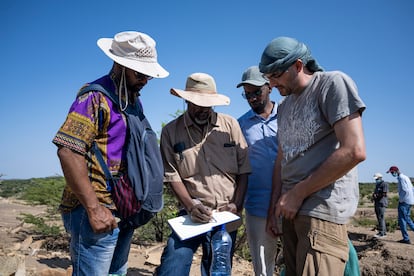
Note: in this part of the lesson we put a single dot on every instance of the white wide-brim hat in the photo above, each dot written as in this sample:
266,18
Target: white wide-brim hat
200,89
135,51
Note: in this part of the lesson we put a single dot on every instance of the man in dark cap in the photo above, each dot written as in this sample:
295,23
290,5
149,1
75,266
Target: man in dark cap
405,200
259,126
320,142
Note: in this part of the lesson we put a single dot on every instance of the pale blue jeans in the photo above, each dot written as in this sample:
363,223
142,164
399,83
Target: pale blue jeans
96,254
263,247
404,219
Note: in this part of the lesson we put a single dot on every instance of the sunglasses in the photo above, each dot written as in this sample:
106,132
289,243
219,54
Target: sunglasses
254,94
273,76
141,76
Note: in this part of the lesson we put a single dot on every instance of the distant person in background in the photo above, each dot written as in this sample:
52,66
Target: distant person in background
406,199
259,126
379,196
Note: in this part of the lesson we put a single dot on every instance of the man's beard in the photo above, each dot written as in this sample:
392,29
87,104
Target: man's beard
202,118
135,89
260,108
201,121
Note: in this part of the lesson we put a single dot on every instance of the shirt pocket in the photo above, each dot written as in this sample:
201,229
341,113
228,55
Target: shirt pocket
187,162
231,165
225,160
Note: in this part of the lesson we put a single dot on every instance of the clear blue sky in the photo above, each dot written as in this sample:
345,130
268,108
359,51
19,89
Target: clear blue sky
48,50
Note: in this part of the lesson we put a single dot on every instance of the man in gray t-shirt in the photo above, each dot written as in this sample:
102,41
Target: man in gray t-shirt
320,142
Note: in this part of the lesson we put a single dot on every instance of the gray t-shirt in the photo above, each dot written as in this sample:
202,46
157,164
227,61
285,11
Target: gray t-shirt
307,138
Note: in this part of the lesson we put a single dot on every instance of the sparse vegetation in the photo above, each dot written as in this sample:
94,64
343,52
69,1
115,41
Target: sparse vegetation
40,225
47,191
37,191
43,191
366,190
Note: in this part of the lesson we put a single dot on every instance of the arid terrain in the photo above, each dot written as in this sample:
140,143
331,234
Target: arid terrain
22,253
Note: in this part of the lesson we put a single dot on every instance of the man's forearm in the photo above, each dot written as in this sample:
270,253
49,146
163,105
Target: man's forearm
276,185
182,195
76,176
240,191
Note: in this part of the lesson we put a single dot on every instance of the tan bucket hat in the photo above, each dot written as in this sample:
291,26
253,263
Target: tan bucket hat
200,89
135,51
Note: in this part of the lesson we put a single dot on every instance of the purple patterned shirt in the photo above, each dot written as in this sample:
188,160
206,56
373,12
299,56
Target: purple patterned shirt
94,117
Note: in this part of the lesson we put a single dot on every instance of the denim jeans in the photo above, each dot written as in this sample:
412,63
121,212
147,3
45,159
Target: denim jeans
177,256
91,253
404,219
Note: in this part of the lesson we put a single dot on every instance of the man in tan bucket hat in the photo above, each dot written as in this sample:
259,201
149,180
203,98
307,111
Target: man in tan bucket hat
206,165
98,246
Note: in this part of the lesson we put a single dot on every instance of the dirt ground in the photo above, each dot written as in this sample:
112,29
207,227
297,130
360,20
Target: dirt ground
21,253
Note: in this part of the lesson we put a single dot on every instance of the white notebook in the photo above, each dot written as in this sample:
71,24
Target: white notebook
185,228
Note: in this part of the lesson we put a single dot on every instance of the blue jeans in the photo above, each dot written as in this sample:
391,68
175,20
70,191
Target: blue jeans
404,219
91,253
177,256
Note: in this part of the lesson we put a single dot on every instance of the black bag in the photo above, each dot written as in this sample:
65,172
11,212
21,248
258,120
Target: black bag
144,167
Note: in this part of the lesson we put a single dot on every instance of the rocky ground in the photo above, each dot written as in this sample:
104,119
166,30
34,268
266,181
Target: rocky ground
22,253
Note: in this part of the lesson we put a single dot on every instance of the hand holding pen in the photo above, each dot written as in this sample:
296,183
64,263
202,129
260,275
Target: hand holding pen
200,213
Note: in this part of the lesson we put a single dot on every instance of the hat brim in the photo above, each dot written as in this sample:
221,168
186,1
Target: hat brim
152,69
200,99
252,82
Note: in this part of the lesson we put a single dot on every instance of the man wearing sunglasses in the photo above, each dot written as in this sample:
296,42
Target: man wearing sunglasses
259,126
98,246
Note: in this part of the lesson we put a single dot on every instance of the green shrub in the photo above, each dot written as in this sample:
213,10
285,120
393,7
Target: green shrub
40,226
365,222
37,191
46,191
391,224
157,230
14,187
393,202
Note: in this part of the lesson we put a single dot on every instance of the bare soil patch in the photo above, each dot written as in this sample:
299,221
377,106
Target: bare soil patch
22,253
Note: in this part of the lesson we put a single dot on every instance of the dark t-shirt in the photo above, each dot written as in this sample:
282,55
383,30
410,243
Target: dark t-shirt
380,189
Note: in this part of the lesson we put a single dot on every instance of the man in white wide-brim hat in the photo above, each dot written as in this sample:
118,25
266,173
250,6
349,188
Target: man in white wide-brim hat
206,165
98,246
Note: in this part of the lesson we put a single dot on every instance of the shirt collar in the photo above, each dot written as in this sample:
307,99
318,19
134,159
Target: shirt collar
253,114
